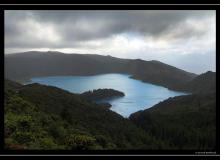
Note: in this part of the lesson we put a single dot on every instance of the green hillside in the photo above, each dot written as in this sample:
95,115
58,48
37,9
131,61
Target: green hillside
159,73
203,83
185,122
42,117
99,94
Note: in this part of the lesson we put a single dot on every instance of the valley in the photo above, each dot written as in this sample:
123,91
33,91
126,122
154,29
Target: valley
46,116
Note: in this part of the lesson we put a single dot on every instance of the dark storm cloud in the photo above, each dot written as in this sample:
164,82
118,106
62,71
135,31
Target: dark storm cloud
105,23
22,28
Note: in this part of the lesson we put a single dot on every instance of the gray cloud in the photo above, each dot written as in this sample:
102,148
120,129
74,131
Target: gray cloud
149,34
75,26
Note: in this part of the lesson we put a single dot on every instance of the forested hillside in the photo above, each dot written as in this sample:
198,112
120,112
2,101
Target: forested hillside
203,83
159,73
99,94
42,117
185,122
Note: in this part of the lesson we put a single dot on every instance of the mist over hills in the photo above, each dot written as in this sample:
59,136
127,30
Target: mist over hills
25,65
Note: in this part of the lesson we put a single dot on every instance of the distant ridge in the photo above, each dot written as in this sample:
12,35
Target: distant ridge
205,82
21,66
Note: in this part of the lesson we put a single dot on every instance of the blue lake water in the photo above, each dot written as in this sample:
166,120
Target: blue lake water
138,95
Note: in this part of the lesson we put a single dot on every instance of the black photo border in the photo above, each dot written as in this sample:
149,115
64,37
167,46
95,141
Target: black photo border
103,152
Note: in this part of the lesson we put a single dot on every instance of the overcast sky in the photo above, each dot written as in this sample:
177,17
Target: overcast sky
185,39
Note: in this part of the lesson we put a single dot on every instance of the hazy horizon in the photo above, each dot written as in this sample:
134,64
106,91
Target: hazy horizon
184,39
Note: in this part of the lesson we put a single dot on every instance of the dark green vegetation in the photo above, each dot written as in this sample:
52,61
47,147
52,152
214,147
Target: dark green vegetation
158,73
100,94
185,122
29,64
188,122
42,117
204,83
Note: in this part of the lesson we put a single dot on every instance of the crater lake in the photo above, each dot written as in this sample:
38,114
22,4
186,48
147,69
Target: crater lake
138,95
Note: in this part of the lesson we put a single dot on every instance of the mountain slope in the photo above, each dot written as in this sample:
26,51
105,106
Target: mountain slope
22,66
29,64
203,83
43,117
159,73
185,122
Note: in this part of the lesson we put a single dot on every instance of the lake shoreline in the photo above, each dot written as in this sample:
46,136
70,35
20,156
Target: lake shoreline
142,95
